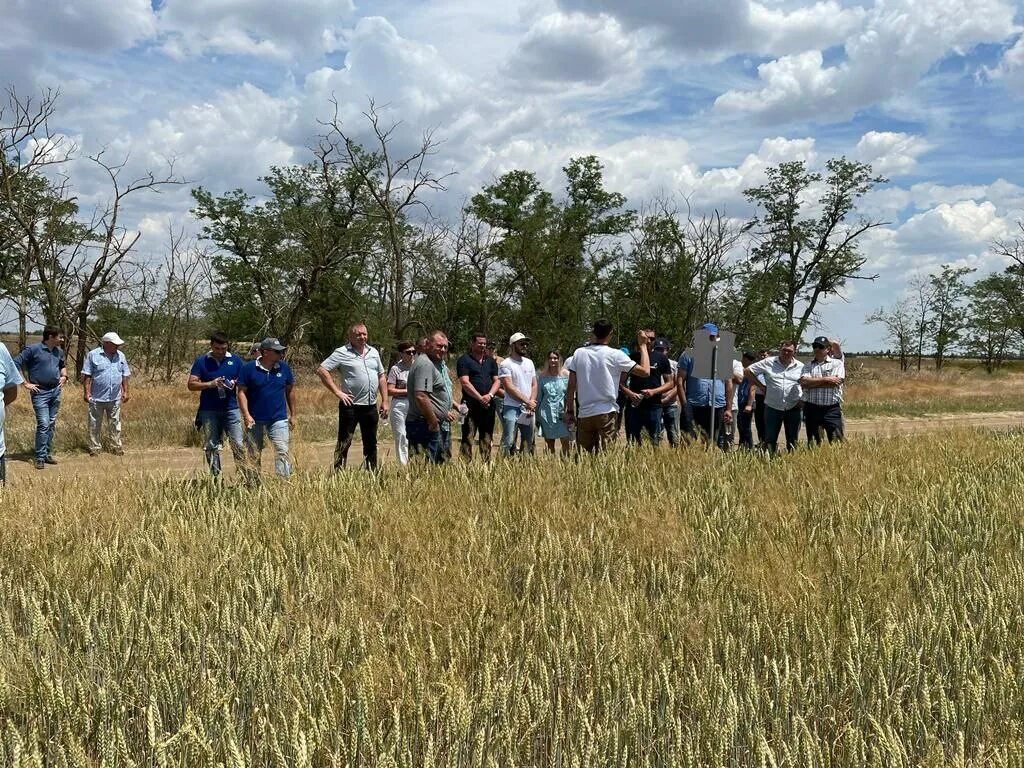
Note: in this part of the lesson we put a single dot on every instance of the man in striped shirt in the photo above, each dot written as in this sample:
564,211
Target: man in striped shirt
822,382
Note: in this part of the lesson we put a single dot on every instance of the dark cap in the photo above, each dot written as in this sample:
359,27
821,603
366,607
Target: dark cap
273,344
661,343
821,341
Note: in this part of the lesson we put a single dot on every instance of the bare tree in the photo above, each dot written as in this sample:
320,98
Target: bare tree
1012,249
396,184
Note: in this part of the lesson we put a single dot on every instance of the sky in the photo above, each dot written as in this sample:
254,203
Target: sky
688,100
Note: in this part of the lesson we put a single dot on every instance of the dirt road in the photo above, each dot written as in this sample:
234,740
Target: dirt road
320,455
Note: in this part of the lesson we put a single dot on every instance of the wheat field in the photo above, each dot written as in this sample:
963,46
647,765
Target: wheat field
853,606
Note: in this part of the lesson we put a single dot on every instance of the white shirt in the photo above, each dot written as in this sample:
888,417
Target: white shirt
737,370
597,369
521,374
782,382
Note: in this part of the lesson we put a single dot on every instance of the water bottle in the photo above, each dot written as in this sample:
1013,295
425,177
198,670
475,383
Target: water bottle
463,411
222,391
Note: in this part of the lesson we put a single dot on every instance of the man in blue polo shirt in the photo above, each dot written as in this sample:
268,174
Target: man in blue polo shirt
266,400
213,376
44,368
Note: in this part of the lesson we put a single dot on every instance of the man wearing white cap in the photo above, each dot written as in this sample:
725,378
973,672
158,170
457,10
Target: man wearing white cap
518,377
105,375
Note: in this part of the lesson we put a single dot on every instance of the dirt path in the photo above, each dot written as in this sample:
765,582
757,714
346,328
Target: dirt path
307,456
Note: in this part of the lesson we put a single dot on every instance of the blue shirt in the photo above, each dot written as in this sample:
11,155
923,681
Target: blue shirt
41,364
106,372
10,376
698,391
265,390
207,368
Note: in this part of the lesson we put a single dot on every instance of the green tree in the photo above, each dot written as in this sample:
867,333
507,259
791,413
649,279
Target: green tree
994,318
806,239
947,318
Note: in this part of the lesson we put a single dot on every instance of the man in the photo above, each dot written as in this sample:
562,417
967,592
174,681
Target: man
213,376
266,399
669,400
430,402
105,375
44,369
644,394
478,377
707,398
782,395
363,380
594,375
745,397
10,378
822,383
519,380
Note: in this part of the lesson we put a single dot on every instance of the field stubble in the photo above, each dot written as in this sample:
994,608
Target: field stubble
858,606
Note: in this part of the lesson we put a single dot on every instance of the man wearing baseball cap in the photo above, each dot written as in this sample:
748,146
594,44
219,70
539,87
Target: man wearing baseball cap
105,375
822,382
267,403
518,377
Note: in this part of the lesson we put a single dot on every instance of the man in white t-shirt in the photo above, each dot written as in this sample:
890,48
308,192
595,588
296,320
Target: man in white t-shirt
518,378
594,373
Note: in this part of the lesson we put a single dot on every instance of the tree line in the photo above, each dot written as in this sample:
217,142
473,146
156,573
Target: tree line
351,234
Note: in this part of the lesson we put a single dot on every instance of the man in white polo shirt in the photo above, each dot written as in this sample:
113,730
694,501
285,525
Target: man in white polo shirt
518,377
363,379
594,372
782,395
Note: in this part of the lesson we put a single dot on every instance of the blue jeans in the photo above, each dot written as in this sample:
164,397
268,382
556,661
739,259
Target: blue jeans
217,424
509,426
670,423
46,404
641,418
436,445
277,432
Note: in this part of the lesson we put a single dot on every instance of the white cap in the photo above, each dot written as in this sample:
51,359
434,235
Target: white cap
518,337
113,338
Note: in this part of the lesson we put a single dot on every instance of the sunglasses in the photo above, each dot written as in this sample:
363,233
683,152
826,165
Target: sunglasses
407,351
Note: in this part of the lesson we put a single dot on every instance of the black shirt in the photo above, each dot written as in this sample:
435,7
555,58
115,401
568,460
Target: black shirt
660,367
481,375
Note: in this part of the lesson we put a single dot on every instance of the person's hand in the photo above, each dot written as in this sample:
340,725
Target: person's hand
748,408
62,381
452,415
345,399
86,399
647,393
250,422
727,416
31,387
635,397
486,400
217,383
435,427
383,411
644,338
291,422
531,406
569,417
125,397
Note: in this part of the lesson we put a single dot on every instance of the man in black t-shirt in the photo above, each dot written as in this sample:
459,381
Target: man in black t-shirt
643,398
478,377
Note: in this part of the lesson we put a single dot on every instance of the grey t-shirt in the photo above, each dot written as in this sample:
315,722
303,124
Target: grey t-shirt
425,376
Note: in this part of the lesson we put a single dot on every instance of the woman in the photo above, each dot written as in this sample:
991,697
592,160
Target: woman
398,391
551,386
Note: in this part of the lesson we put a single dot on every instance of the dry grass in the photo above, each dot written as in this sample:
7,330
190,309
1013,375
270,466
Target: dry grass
849,607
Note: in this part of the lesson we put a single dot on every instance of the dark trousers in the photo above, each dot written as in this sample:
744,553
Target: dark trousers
436,446
744,424
762,431
775,420
479,426
702,422
367,418
823,418
643,417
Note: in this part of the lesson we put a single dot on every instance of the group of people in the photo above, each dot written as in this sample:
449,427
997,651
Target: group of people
581,400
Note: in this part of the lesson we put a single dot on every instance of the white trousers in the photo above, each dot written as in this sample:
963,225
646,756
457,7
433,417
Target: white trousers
399,410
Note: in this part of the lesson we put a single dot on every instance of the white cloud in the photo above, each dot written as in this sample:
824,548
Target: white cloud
900,41
89,25
1011,66
265,28
953,230
890,154
574,48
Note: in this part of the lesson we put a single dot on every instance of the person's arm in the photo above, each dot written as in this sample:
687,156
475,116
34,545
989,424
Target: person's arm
21,363
382,386
510,389
570,399
124,389
195,384
393,389
62,374
10,395
469,389
727,412
425,407
289,399
243,405
634,397
328,381
86,387
495,386
643,368
126,373
750,373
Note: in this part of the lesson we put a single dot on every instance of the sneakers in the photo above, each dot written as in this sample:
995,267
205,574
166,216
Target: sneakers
50,460
40,464
118,451
93,452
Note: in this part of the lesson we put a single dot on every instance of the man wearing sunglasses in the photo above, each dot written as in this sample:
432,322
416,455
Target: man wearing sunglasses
519,378
822,382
